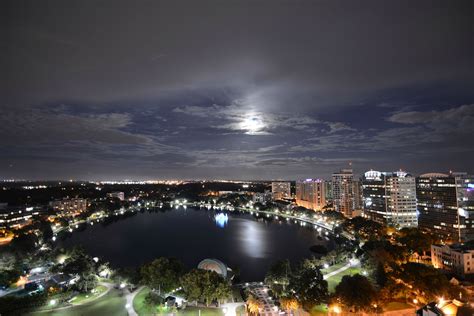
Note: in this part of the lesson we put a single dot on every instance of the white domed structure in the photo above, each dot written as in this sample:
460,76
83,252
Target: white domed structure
214,265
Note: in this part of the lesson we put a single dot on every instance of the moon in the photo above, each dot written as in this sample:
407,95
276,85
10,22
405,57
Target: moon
253,125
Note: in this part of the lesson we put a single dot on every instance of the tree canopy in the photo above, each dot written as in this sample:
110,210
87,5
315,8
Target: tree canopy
308,286
356,292
205,286
278,277
415,240
162,274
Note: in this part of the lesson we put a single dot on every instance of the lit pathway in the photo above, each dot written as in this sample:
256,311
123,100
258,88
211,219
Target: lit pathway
341,269
129,304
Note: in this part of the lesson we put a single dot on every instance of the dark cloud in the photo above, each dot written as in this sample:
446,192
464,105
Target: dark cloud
254,89
31,125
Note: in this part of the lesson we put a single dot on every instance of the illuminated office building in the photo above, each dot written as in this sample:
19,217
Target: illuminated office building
390,198
446,205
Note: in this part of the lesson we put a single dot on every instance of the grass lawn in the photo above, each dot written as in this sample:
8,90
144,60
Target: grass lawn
86,297
139,303
394,306
110,304
319,310
336,279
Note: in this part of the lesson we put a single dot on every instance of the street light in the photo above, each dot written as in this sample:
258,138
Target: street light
336,309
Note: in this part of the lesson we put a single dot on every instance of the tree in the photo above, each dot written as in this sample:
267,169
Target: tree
81,264
278,277
46,231
308,285
289,304
356,291
365,228
162,274
24,243
222,292
7,260
9,276
205,286
130,275
380,275
86,282
415,240
152,299
426,282
253,305
383,251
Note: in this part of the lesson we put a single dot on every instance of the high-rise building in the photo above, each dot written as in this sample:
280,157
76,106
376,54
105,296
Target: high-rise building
465,198
357,192
343,192
281,190
445,205
328,191
310,193
390,198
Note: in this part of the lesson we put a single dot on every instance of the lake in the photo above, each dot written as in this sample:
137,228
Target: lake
191,235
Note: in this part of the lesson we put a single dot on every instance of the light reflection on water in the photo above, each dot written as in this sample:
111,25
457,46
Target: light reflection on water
252,238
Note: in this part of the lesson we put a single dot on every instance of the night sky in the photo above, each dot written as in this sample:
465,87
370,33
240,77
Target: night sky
234,89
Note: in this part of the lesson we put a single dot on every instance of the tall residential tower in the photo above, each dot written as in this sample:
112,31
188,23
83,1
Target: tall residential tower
343,192
310,193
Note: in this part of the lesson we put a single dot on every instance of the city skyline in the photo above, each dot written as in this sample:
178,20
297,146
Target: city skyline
239,157
205,91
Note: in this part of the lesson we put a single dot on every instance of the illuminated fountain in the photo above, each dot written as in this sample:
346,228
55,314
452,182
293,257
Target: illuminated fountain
221,219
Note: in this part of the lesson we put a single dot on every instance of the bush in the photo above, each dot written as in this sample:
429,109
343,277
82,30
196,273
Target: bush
152,299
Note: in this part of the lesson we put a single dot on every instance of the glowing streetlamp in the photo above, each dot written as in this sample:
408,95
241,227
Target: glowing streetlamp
336,309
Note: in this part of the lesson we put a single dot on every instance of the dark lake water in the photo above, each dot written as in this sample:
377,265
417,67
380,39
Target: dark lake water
192,234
